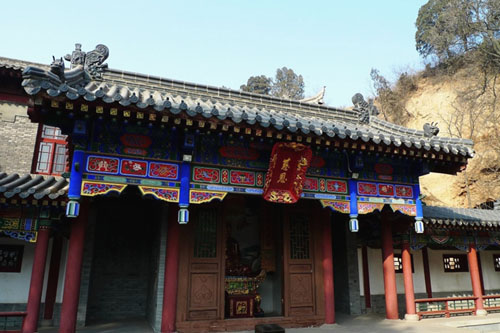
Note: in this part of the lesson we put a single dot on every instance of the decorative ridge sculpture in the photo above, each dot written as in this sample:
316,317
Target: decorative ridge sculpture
316,99
431,129
365,109
84,67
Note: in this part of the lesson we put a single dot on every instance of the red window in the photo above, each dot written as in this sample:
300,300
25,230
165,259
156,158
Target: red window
52,153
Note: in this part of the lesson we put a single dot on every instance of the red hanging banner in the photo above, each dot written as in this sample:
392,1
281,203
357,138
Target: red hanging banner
287,172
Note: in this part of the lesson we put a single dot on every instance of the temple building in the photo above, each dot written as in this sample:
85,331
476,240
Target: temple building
200,209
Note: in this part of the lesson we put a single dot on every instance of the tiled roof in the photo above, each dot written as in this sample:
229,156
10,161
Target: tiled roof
19,65
32,186
449,216
169,96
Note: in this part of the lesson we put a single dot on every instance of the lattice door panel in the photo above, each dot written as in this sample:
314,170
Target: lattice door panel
204,292
299,264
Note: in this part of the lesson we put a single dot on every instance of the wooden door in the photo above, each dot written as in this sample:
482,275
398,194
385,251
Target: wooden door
205,289
299,291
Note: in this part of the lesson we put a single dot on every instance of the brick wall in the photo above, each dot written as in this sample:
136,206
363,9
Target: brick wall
345,262
17,139
121,268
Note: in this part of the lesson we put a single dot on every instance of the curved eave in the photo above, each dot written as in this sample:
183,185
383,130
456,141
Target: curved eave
34,187
174,97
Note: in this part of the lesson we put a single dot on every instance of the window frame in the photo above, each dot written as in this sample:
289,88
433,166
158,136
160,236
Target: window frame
19,264
496,262
399,256
55,143
464,262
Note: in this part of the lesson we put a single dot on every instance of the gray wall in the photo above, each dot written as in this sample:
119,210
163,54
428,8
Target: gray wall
17,138
122,266
345,267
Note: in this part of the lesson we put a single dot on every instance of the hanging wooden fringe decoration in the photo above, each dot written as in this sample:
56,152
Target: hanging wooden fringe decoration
287,172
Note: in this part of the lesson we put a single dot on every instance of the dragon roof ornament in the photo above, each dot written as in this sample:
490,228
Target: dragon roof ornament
85,67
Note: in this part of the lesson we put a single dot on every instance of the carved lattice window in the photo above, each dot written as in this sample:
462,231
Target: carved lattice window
455,263
11,258
205,238
299,237
398,263
496,262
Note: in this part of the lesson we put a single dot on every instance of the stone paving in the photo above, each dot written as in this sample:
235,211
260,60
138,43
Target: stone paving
345,324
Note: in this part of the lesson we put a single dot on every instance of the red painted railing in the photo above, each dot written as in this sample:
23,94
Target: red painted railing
491,302
446,306
11,327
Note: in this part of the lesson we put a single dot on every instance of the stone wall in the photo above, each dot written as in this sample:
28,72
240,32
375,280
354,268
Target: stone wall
17,138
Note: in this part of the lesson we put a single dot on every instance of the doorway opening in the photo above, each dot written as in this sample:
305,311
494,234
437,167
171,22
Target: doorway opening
124,258
253,238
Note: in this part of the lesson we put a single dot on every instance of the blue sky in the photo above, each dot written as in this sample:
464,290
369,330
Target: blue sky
222,43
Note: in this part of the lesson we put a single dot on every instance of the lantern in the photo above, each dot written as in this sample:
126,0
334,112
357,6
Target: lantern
287,172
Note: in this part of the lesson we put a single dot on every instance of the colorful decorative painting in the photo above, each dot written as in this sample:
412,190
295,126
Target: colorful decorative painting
242,178
385,190
367,188
165,194
91,189
404,191
198,197
163,170
134,168
410,210
336,186
206,175
240,153
135,140
311,184
336,205
368,207
102,164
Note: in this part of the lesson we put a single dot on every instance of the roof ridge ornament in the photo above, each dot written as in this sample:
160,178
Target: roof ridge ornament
85,67
316,99
364,108
92,62
431,129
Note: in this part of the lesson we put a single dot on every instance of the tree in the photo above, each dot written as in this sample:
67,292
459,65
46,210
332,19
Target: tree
258,84
447,28
392,98
286,84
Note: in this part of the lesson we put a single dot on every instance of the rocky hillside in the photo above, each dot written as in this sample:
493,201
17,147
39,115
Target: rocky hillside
465,105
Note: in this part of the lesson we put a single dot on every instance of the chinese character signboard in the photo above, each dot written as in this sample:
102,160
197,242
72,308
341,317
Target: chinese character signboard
287,172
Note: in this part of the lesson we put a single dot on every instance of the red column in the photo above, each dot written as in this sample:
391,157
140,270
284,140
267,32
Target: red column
55,263
408,282
480,271
30,323
328,267
427,272
171,272
73,271
475,279
366,278
391,296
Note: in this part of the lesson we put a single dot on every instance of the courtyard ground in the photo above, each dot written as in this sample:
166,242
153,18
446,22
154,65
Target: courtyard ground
370,323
